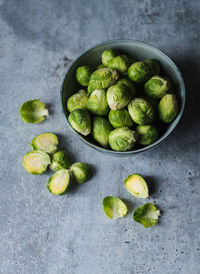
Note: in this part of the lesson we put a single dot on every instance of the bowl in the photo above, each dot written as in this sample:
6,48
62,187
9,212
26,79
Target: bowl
141,51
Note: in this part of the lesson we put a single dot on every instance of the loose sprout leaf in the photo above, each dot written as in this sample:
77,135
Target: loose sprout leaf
114,207
36,162
33,111
59,182
137,186
46,142
81,172
147,215
60,160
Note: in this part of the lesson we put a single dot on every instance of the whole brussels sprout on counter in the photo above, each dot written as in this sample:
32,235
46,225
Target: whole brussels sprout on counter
168,108
97,102
128,83
147,134
120,118
118,96
108,55
101,131
121,63
80,120
78,100
81,172
122,139
156,87
83,75
60,160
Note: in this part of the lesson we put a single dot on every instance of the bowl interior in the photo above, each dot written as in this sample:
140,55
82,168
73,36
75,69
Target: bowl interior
136,49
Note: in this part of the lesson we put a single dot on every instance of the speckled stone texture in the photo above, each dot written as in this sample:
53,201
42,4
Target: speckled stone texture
41,233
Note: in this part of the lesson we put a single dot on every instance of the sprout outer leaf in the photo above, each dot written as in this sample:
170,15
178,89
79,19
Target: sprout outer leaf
33,111
114,207
147,215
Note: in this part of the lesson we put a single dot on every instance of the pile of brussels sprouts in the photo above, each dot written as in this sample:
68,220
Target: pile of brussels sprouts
126,102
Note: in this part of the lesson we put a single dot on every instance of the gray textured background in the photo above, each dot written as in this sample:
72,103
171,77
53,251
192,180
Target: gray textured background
41,233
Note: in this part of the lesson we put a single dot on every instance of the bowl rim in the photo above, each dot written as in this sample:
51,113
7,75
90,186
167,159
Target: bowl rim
159,140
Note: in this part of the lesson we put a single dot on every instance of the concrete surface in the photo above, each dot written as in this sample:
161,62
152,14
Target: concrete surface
41,233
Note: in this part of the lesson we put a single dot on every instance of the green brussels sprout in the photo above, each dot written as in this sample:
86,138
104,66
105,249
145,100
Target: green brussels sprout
102,79
168,108
147,134
139,72
137,186
114,207
36,161
108,55
45,142
147,215
78,100
97,102
80,120
59,182
60,160
83,75
118,96
122,139
101,131
101,66
154,66
156,87
81,172
128,83
141,111
120,63
33,111
120,118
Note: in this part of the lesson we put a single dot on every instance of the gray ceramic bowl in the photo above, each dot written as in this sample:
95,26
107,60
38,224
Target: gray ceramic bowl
136,49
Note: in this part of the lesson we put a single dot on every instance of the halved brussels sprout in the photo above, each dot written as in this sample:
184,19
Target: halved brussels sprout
114,207
168,108
60,160
59,182
118,96
120,63
137,186
78,100
83,75
80,120
97,102
141,111
81,172
122,139
33,111
147,215
154,66
120,118
156,87
101,131
128,83
108,55
102,78
45,142
139,72
147,134
36,162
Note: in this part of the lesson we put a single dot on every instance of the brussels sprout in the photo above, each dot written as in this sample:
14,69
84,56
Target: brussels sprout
97,102
101,131
45,142
137,186
128,83
139,72
33,111
120,63
156,87
80,120
154,66
122,139
36,161
120,118
83,75
102,78
118,96
60,160
147,134
141,111
59,182
168,108
108,55
77,100
101,66
81,172
147,215
114,207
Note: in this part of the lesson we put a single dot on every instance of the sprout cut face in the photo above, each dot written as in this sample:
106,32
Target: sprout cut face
108,55
59,182
122,139
168,108
83,75
97,103
147,134
80,120
81,172
36,162
139,72
101,131
120,63
147,215
137,186
128,83
120,118
78,100
118,96
45,142
33,111
114,207
60,160
156,87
